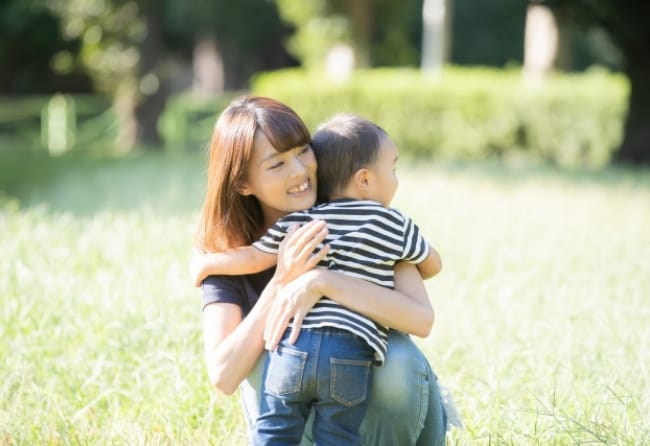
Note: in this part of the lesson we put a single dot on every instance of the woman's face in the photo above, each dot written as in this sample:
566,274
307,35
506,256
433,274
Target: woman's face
283,182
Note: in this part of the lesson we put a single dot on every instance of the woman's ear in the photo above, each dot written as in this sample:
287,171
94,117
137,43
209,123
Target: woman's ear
244,189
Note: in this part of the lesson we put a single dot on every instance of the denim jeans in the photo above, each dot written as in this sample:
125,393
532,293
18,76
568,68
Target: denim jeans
404,408
327,369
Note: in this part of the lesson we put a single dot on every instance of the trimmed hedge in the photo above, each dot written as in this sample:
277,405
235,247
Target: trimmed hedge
469,113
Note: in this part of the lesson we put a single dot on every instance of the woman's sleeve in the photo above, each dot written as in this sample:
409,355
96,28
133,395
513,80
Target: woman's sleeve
224,289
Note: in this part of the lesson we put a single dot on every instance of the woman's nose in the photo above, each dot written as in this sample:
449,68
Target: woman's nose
297,166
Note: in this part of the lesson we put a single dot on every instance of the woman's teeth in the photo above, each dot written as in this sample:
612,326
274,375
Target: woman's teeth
300,188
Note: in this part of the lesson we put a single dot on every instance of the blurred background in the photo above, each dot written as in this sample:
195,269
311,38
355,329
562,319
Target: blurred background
524,138
560,80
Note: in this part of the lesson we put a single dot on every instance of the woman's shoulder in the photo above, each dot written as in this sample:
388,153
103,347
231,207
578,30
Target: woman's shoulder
243,290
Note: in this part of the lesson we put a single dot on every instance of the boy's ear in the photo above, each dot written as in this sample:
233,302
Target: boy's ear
362,179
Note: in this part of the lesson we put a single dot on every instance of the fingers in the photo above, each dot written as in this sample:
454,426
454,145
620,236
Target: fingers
273,339
308,237
295,329
311,245
317,257
276,324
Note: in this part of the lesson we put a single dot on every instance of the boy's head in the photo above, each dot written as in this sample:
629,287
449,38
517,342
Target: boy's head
356,159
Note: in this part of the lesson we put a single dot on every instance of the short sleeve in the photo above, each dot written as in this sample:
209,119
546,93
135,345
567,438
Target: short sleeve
225,289
416,248
270,242
243,291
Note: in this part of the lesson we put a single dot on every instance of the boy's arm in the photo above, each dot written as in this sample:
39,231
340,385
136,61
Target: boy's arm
431,265
233,262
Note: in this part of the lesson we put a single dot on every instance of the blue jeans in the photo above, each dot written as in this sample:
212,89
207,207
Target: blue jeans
404,409
328,370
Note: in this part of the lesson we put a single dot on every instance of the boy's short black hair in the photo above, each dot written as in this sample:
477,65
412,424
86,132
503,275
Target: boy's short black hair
343,145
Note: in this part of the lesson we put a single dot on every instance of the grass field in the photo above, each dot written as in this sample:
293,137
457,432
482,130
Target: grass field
542,306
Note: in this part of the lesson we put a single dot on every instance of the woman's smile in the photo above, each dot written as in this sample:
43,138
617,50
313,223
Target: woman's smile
305,186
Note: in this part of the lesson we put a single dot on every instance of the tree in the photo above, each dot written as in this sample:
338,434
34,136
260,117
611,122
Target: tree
435,35
112,33
541,43
488,32
34,56
626,24
380,32
140,52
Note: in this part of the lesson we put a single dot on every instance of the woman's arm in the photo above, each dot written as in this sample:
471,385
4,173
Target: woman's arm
232,262
232,342
406,308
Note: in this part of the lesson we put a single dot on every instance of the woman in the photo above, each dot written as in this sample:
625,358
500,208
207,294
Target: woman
261,167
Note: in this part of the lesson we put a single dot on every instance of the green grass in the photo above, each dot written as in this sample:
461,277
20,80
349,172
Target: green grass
542,305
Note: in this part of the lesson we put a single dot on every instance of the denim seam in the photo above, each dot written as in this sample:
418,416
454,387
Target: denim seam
365,365
299,373
424,404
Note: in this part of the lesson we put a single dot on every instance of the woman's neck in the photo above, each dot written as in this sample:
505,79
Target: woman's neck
270,218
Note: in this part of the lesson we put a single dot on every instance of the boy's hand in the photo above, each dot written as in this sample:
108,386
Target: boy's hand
197,267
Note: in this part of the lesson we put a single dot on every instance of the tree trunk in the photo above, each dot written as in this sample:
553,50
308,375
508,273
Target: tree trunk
127,126
635,148
435,35
207,65
153,84
361,13
540,43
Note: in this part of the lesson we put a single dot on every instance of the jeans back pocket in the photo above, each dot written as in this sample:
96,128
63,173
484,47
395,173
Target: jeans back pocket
284,374
350,380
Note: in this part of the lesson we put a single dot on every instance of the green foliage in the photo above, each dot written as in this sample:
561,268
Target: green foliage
25,123
469,113
489,32
35,56
382,32
110,32
541,308
397,35
188,120
231,23
318,28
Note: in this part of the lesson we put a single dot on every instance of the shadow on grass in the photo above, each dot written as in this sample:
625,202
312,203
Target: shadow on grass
87,184
84,184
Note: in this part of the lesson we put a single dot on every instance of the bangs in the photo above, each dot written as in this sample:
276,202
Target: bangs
284,130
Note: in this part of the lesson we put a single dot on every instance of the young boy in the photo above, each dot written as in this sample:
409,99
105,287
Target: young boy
336,346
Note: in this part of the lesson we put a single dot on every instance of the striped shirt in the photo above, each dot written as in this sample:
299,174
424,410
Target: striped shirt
366,240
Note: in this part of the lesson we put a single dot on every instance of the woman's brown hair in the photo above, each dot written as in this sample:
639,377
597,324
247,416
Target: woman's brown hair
229,219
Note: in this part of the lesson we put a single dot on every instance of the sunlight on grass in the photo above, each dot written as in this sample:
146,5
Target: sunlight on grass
542,304
542,311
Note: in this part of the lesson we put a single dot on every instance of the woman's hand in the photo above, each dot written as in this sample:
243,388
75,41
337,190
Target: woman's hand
293,300
296,254
296,296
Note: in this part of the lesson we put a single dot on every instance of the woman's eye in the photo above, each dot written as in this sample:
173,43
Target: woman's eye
305,149
276,165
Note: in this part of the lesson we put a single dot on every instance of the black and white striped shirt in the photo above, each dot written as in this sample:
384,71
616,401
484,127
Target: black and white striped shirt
366,240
